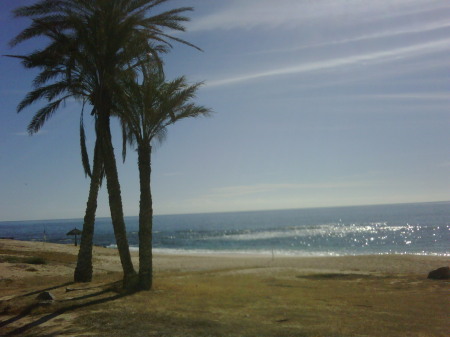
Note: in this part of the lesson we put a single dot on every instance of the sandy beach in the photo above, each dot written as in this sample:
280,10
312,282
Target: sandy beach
222,295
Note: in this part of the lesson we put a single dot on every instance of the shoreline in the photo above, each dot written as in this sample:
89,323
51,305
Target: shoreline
248,253
108,259
277,253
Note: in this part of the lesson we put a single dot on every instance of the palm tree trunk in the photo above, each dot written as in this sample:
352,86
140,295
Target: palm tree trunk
145,218
115,203
83,270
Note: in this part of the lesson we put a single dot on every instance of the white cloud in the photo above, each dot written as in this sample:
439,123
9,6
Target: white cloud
363,59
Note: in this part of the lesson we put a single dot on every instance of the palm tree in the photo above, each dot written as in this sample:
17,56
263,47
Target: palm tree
93,46
83,270
147,111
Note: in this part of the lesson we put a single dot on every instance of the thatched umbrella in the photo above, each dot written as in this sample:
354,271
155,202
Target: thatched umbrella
75,232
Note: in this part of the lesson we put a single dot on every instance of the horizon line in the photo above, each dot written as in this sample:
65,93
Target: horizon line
246,211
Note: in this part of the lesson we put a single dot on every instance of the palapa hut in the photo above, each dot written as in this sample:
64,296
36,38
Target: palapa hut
75,232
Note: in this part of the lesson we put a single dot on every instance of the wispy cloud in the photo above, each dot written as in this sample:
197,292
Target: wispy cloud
439,96
292,13
271,196
241,190
363,59
396,32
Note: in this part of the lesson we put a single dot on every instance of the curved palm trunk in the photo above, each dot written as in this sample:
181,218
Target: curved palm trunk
115,203
145,218
83,270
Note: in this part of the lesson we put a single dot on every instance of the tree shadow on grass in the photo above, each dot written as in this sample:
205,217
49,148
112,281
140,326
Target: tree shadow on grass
60,311
339,276
46,289
29,308
24,313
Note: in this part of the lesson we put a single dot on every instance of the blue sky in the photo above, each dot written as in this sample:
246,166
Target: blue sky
317,103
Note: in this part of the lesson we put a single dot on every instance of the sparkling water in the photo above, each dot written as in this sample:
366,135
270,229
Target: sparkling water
421,228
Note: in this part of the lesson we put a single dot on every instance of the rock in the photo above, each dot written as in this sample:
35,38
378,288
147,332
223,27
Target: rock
442,273
46,296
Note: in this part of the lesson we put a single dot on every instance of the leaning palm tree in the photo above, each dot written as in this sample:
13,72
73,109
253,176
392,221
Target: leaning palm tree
146,112
92,47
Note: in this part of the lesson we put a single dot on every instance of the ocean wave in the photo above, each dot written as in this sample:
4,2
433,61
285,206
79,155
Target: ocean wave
262,252
276,252
131,248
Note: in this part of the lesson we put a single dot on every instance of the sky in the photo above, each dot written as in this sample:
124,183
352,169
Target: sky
316,103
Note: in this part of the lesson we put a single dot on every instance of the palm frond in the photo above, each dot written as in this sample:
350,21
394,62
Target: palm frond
47,75
50,26
159,137
48,92
84,153
40,8
125,138
43,115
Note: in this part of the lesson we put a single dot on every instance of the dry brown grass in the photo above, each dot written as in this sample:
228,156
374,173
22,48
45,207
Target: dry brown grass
259,300
47,256
282,305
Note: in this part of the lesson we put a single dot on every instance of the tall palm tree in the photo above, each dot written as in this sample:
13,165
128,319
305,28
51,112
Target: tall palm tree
93,46
147,111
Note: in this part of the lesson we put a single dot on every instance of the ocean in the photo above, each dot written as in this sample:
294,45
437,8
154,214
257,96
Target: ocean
420,228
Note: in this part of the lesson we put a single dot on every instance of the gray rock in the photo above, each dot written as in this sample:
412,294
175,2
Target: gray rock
46,296
442,273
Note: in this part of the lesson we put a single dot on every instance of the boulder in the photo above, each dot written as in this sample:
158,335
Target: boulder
46,296
442,273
